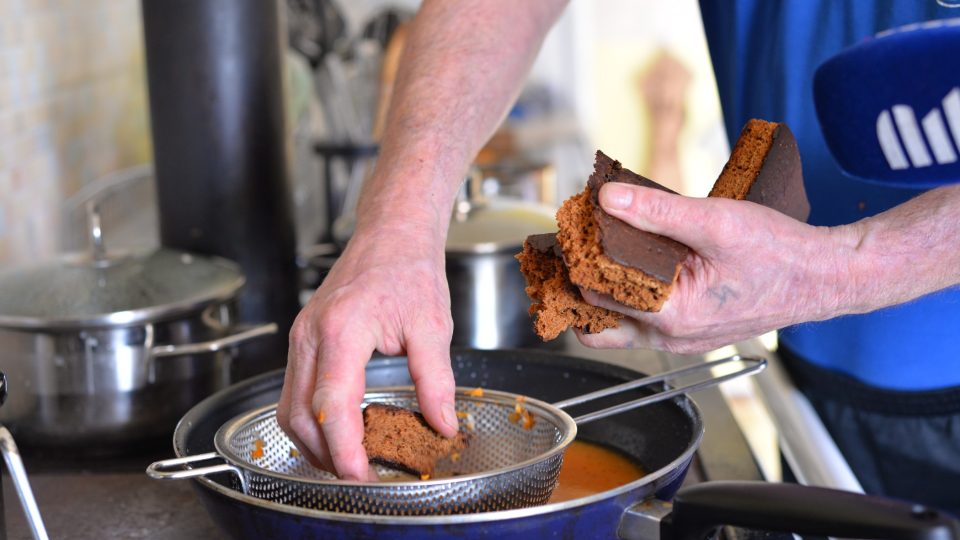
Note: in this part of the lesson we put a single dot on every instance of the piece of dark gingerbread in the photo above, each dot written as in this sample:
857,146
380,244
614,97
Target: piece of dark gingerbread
638,268
765,168
402,439
606,255
557,303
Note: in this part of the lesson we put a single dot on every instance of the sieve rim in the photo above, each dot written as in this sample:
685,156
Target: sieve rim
479,517
563,421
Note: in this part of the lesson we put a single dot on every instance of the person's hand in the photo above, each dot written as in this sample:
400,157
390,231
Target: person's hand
751,270
387,292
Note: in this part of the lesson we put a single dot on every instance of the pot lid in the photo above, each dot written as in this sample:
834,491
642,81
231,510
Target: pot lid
496,226
89,290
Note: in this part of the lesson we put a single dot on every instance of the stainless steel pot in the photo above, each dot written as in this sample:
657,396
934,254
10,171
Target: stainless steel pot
487,297
109,350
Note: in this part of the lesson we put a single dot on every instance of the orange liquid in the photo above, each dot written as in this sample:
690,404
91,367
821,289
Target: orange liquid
590,468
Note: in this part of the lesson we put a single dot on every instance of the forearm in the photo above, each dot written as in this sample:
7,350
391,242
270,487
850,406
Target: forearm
462,67
903,253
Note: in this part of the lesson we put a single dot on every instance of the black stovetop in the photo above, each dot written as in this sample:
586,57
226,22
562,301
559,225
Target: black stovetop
82,498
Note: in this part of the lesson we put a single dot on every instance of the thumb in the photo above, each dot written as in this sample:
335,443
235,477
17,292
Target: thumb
684,219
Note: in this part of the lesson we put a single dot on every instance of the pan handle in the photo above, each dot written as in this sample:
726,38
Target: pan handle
697,511
245,332
179,468
792,508
754,365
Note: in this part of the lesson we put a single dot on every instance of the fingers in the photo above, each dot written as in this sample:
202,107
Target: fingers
294,413
683,219
323,388
428,352
335,405
429,362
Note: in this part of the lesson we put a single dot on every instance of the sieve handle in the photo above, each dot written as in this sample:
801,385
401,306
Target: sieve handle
755,365
179,468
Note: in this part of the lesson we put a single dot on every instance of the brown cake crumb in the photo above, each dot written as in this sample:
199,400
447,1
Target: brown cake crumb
557,304
402,439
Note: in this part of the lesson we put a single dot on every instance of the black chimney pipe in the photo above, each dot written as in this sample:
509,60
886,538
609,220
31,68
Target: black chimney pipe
215,80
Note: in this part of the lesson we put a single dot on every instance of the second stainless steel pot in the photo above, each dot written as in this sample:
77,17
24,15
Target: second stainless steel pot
107,389
487,295
109,350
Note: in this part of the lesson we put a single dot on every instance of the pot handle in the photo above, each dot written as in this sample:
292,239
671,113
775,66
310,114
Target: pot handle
179,468
698,510
245,332
15,465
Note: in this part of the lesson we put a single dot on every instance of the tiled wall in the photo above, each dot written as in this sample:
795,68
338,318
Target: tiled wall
73,108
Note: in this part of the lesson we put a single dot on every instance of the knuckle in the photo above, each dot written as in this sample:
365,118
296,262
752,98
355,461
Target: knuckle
436,380
300,422
283,419
442,322
299,331
652,205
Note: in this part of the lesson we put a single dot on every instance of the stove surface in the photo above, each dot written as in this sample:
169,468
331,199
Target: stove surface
113,498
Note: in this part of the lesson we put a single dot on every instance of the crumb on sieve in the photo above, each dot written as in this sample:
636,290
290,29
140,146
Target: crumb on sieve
257,451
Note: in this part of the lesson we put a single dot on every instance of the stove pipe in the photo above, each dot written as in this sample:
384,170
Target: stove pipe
215,79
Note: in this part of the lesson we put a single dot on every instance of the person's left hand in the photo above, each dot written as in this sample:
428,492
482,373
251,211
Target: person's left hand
751,270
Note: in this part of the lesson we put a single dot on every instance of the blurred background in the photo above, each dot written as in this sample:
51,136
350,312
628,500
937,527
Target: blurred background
630,77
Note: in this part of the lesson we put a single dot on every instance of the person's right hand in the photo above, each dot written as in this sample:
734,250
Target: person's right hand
387,292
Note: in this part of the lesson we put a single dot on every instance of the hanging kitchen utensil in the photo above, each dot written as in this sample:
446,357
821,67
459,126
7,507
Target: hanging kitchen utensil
106,346
512,460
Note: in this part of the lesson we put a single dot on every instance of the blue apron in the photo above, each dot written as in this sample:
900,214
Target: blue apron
764,55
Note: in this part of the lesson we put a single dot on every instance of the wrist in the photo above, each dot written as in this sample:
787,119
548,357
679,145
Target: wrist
849,273
404,235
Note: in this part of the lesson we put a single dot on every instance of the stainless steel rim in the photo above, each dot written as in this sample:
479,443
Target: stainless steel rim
134,316
569,427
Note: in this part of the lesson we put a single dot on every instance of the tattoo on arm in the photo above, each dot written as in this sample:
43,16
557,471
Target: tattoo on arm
722,294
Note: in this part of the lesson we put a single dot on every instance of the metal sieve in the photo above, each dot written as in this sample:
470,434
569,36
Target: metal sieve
507,463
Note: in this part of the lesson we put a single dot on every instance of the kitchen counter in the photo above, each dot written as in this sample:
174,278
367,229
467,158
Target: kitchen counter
115,499
94,505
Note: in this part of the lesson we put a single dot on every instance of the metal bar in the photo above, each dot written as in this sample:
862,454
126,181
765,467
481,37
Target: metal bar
630,385
758,366
19,474
214,345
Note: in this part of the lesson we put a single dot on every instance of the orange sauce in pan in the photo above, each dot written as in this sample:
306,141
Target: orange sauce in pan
589,468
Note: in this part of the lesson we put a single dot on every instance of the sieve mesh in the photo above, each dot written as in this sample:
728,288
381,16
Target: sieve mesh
505,465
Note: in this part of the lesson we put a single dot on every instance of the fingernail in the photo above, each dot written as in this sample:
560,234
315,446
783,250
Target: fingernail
449,415
615,196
